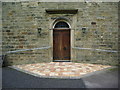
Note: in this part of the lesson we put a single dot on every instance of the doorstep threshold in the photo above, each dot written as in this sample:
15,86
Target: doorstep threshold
61,60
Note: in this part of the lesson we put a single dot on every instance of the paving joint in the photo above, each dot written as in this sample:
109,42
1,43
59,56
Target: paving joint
51,73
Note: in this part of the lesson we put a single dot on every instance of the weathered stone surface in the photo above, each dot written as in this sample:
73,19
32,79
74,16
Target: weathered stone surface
95,26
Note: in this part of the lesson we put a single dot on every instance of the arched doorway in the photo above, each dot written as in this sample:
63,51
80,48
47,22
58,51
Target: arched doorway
61,41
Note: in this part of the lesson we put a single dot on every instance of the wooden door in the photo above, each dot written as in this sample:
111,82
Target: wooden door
61,44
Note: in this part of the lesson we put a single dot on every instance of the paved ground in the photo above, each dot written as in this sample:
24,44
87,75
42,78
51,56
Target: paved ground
60,69
102,79
15,79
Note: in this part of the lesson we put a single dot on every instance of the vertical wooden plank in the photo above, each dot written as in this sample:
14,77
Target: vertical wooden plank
61,44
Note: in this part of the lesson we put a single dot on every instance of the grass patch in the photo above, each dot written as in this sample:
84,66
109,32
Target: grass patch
114,69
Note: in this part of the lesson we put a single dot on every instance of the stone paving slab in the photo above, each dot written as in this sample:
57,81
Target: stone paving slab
60,69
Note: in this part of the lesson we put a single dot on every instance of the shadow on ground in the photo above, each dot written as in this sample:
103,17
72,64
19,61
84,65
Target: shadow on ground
12,78
15,79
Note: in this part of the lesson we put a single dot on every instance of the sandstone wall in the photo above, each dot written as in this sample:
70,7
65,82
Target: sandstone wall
95,26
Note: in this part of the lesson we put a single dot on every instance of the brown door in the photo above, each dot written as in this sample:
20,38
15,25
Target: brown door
61,44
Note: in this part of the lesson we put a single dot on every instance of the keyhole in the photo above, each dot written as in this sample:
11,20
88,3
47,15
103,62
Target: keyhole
64,48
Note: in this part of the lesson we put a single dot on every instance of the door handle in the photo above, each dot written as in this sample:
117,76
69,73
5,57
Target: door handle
65,48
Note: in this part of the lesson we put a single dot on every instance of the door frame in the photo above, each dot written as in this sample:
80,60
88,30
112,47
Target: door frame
52,23
69,37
